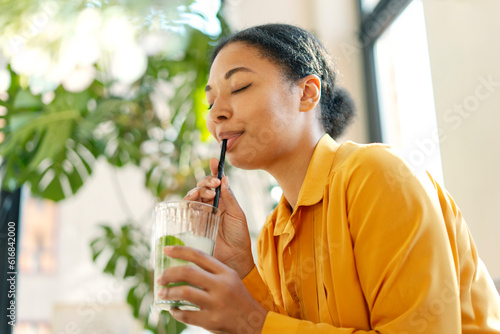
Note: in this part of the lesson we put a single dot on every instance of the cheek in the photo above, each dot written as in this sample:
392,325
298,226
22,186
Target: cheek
211,126
267,118
265,132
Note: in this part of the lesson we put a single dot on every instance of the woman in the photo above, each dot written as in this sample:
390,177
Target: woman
356,244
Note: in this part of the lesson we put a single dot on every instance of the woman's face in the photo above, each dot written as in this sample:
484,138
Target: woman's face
252,106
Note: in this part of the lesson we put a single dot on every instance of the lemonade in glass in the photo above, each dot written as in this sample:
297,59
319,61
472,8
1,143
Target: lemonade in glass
182,223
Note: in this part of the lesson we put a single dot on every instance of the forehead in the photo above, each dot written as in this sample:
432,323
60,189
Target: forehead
238,54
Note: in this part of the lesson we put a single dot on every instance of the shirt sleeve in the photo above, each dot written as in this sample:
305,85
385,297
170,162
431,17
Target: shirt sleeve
260,292
400,248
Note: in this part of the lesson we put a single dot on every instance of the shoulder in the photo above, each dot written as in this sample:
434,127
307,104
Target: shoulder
370,158
352,154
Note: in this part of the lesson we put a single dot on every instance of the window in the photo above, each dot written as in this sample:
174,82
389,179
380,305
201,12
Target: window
367,6
32,327
402,105
37,253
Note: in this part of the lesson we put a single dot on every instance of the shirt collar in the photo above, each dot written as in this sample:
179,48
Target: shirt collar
314,183
319,168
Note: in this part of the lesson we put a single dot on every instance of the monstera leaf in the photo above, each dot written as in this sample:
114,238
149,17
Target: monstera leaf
39,144
51,134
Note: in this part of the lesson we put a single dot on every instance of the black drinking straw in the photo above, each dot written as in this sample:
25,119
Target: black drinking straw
220,171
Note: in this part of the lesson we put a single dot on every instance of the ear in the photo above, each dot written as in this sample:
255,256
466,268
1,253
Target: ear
310,92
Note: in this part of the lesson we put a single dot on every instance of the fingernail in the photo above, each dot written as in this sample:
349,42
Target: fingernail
162,293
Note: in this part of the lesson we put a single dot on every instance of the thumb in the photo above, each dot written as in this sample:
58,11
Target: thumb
229,199
225,191
214,166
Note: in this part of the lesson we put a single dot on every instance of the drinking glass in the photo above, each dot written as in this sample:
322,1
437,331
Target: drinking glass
182,223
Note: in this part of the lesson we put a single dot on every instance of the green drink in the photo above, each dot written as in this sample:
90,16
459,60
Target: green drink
182,223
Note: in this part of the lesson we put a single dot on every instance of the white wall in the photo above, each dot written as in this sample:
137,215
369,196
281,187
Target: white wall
464,49
336,23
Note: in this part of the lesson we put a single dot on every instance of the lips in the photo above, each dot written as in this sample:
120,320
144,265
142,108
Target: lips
231,136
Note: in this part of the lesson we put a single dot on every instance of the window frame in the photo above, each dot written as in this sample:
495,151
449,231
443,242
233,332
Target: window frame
372,26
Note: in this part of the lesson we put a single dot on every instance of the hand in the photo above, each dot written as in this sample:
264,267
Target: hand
233,245
225,304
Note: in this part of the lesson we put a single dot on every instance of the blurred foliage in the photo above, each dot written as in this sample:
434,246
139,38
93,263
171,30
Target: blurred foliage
127,252
51,140
53,146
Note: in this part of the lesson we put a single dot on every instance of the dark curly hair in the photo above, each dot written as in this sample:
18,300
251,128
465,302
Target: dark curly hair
300,54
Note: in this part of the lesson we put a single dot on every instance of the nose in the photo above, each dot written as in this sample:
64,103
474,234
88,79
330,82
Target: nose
219,113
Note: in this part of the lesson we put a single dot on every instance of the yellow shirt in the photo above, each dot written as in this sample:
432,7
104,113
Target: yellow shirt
369,249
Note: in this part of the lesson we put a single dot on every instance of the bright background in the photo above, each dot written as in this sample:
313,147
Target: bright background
433,62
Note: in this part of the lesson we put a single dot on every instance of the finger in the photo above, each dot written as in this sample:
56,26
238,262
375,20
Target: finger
192,195
186,274
214,166
209,182
198,257
187,317
227,194
190,293
200,194
206,194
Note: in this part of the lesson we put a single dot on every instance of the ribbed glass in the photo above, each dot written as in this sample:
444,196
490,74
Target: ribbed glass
185,223
177,217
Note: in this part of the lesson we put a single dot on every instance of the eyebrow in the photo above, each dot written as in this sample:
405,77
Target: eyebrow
230,73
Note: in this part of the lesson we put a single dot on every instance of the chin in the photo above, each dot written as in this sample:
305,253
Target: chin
246,160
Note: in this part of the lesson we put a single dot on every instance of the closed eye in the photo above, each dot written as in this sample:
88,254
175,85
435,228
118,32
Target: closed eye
243,88
234,92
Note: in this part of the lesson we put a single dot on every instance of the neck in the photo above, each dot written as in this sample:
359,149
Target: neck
290,171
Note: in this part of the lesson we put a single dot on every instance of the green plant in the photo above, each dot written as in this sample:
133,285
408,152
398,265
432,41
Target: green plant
128,251
52,132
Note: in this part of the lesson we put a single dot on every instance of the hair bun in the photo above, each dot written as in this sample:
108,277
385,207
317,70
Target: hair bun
339,114
342,100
